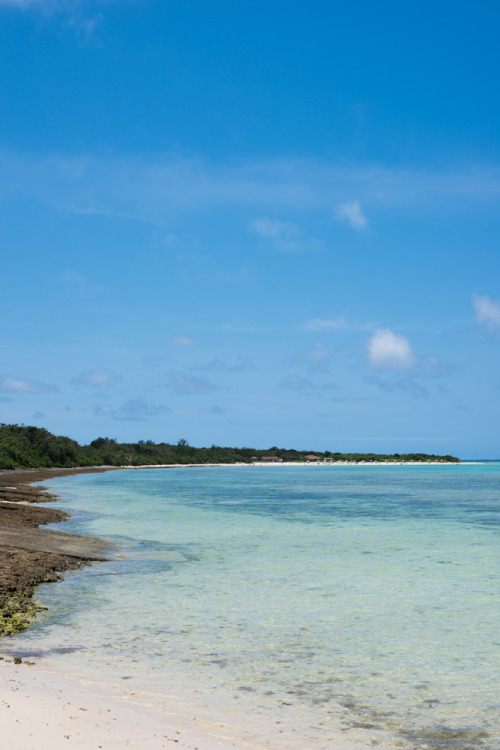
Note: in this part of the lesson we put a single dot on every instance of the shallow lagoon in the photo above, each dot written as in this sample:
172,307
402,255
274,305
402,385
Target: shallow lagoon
297,598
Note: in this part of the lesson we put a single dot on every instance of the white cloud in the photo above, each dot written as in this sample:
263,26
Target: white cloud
284,235
21,385
390,351
271,230
487,311
181,341
97,378
353,214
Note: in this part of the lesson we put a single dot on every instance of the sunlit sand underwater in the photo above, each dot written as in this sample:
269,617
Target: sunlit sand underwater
295,600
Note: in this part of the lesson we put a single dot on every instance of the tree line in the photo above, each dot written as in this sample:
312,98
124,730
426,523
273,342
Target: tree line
24,447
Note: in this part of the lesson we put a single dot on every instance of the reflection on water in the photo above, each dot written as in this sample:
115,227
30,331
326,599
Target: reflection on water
304,597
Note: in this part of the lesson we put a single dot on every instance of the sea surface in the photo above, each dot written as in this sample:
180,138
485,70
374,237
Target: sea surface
290,601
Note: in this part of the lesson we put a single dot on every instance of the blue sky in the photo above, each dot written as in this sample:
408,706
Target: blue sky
253,223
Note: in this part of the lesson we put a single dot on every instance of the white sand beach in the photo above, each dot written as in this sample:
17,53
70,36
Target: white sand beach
43,710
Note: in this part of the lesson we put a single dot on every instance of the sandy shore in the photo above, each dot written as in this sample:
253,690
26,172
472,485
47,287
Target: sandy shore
40,709
330,464
43,710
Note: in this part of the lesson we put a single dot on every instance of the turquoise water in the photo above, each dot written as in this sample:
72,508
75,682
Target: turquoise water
302,598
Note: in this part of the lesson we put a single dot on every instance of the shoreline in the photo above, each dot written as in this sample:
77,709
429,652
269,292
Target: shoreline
52,709
30,555
49,708
331,464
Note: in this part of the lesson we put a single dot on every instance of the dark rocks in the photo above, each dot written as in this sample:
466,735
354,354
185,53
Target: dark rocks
29,555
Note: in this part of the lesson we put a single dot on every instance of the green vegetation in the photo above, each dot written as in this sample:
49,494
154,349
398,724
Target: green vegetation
32,447
17,611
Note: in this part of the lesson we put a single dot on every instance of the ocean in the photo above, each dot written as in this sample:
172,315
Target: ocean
290,601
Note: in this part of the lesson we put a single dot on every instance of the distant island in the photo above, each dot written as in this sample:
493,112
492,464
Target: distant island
24,447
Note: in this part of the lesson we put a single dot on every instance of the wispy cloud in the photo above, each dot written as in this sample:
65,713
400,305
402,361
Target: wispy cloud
39,415
181,341
487,311
335,324
316,358
284,236
272,230
22,385
390,351
189,385
317,353
23,4
97,379
76,280
157,188
351,213
72,14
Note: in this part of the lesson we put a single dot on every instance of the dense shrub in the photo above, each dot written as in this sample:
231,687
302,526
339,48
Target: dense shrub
34,447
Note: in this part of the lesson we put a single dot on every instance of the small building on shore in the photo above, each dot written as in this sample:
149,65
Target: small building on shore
311,458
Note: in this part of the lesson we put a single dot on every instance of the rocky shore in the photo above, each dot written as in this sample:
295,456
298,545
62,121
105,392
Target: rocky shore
30,555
